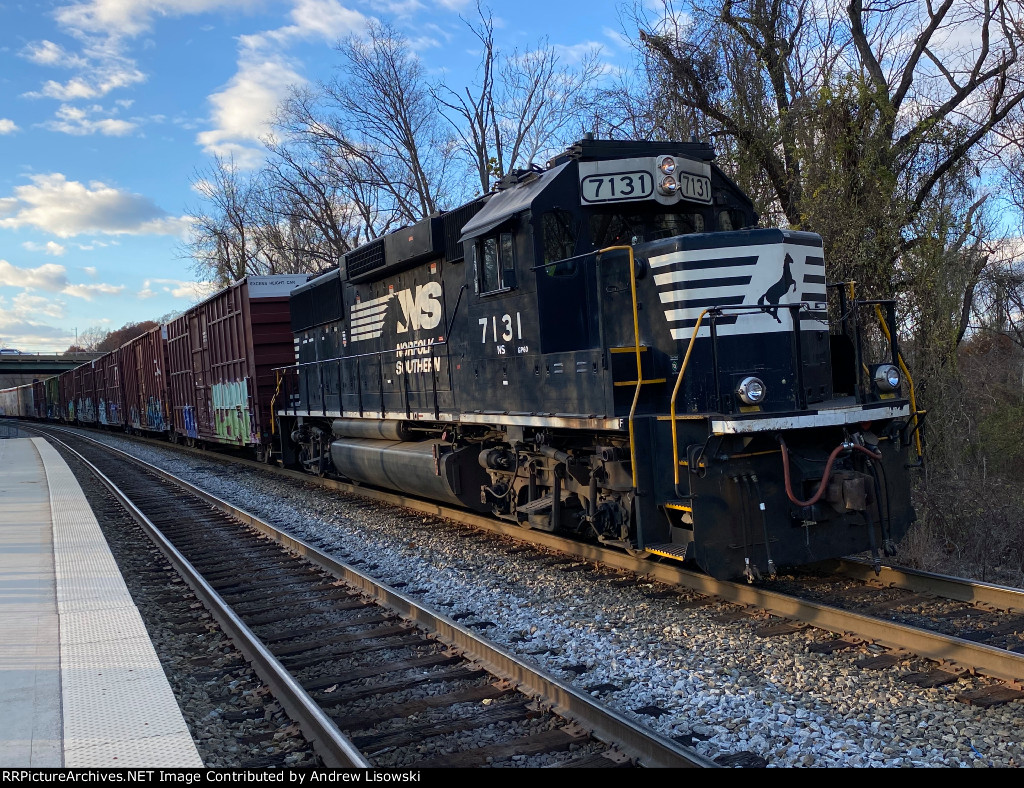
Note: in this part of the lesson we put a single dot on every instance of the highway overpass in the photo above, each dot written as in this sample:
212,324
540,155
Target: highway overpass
17,369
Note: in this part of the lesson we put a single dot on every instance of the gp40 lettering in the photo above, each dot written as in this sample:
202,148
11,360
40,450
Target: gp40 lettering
503,329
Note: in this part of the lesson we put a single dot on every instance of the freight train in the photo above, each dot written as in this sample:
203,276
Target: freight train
608,347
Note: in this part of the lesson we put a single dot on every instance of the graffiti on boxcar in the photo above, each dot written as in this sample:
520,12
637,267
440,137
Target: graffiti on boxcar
188,417
155,414
231,417
109,413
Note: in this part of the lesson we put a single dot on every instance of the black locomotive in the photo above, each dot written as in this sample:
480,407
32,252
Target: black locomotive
610,347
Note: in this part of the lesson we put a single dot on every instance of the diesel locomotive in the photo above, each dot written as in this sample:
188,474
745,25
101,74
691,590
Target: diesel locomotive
611,347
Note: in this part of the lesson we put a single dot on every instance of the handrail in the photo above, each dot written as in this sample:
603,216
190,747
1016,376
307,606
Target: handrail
273,399
675,392
910,382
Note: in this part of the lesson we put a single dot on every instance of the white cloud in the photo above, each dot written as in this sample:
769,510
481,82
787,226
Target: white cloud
51,278
193,291
241,112
47,53
77,121
50,248
575,53
134,17
98,82
31,335
88,292
7,126
90,269
26,305
67,208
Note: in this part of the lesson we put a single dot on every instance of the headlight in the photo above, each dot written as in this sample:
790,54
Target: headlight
751,390
667,165
887,377
669,185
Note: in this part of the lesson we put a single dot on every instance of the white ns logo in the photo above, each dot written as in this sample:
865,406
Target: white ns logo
422,310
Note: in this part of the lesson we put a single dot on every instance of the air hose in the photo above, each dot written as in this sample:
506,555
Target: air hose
828,469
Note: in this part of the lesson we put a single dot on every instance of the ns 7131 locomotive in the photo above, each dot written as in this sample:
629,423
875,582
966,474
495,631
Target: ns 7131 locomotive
610,347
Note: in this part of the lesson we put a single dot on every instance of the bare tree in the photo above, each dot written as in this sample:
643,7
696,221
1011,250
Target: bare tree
871,109
221,242
382,117
524,104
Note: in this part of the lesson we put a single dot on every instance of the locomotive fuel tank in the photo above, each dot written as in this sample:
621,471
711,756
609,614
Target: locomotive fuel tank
425,468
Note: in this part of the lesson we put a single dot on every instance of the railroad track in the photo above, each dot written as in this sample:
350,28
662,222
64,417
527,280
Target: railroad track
372,678
972,626
961,628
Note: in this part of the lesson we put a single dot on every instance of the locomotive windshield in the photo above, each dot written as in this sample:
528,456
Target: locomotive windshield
614,229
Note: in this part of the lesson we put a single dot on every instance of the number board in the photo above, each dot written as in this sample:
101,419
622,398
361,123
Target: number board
617,187
694,187
628,180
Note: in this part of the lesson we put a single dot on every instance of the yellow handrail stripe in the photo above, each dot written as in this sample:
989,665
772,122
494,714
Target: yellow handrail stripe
675,392
910,381
636,382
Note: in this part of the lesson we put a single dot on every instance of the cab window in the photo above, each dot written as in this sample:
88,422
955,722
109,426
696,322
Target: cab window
615,229
731,219
495,256
559,238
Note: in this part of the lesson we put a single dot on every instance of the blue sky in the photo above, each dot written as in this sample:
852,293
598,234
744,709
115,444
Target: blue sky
108,108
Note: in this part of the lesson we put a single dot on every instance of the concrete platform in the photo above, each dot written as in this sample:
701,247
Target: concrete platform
80,682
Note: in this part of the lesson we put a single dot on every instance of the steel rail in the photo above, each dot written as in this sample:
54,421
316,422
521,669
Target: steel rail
649,748
974,592
994,662
329,743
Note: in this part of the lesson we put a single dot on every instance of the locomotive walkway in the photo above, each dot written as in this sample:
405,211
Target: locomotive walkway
80,682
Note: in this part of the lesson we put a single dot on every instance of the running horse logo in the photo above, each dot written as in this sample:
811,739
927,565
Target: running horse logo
775,293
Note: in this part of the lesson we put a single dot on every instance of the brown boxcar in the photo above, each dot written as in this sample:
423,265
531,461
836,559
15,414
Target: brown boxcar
52,408
107,385
142,367
67,395
85,393
39,398
222,353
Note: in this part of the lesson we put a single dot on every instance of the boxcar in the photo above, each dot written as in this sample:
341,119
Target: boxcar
109,395
39,399
66,388
10,402
142,367
221,355
85,393
51,399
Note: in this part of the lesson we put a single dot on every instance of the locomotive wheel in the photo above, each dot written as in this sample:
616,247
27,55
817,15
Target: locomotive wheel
173,437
